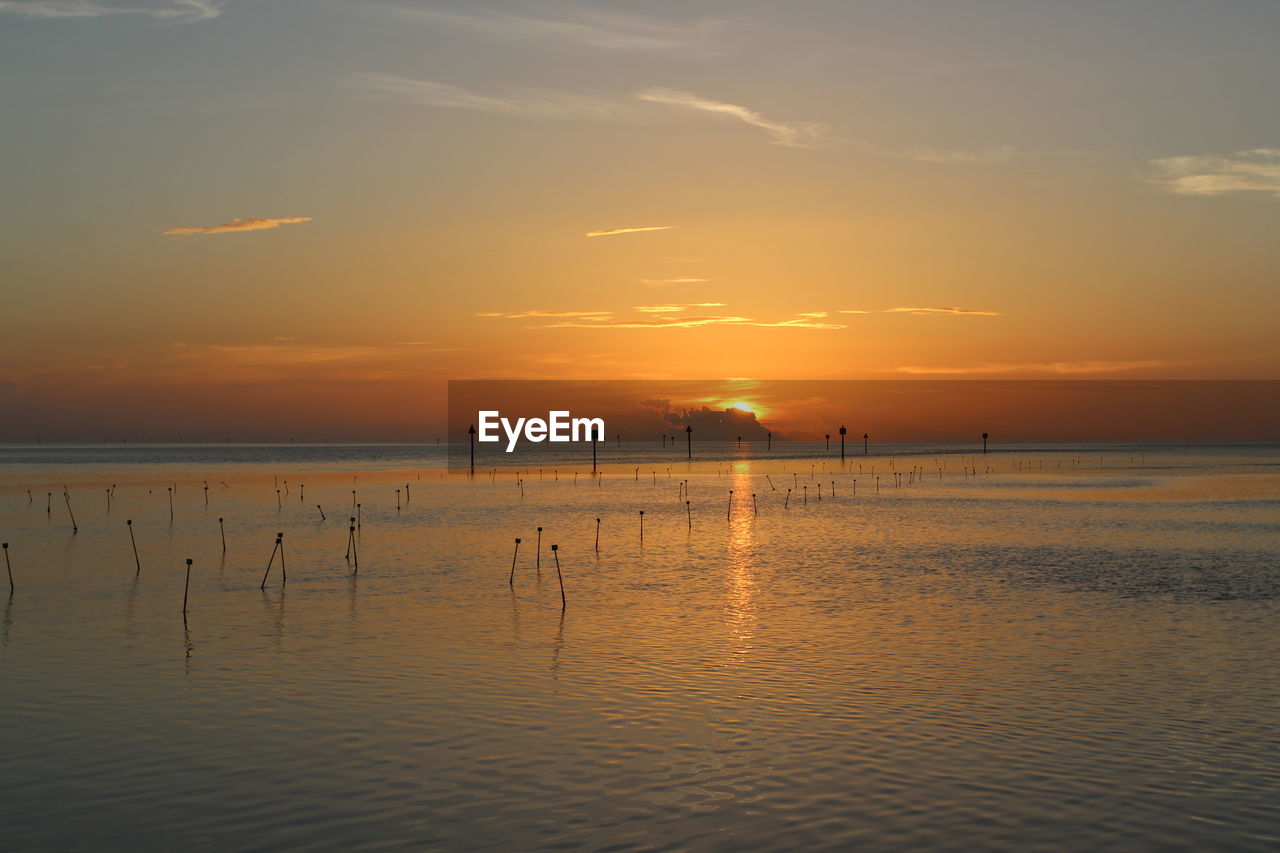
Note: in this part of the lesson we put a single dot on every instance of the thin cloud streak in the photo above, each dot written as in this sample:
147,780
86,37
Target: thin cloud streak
525,103
802,321
671,309
575,25
1056,367
179,11
1251,170
967,312
671,282
540,313
236,226
792,134
609,232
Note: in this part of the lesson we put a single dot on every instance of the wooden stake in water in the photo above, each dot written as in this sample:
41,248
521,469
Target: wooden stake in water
134,542
223,531
512,580
171,503
279,504
9,568
787,503
641,527
321,510
755,510
351,538
728,513
397,500
48,503
185,587
597,535
359,516
270,562
688,513
66,496
538,554
555,550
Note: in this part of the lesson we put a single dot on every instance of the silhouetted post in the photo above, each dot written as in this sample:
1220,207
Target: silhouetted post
597,535
359,522
355,553
787,503
728,513
270,563
9,568
806,495
864,444
842,432
739,442
593,453
321,511
755,510
48,503
984,443
555,550
351,537
185,587
769,442
827,436
512,580
223,531
688,512
641,527
397,500
688,437
537,562
66,496
134,542
284,575
471,432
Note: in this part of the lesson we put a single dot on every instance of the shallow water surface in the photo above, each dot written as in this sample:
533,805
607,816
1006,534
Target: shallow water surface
1062,649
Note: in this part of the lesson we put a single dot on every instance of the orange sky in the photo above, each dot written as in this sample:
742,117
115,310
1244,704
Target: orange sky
301,221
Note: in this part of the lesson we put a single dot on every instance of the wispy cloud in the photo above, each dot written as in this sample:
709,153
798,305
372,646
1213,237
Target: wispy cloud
523,103
236,226
672,282
671,309
1252,170
179,11
970,312
801,321
571,24
793,134
1056,367
609,232
540,313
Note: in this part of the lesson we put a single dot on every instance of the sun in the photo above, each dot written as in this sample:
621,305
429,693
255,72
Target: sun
745,407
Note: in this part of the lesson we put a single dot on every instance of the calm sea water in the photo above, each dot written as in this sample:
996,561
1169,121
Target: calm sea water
1043,648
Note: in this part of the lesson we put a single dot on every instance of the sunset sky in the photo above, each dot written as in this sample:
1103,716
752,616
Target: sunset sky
301,217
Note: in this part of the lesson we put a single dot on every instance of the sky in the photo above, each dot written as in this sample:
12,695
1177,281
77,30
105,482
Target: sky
260,218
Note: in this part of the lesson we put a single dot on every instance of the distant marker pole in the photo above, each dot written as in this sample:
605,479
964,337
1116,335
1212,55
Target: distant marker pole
597,535
185,587
688,513
864,444
842,432
66,496
222,530
537,564
555,550
511,581
134,542
984,443
320,509
641,527
471,432
270,563
688,437
8,567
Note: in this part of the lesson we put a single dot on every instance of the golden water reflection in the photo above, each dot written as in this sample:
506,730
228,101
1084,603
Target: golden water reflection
741,592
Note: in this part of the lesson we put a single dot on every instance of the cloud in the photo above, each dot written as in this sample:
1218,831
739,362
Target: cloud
1252,170
539,313
573,25
236,226
609,232
671,309
669,282
526,103
801,321
1057,367
793,134
179,11
970,312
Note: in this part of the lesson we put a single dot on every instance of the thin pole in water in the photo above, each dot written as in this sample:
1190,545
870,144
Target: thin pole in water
321,510
787,503
185,587
538,554
359,517
284,576
269,563
66,496
688,436
223,531
134,542
755,510
641,527
597,535
688,512
512,580
728,513
8,567
555,550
